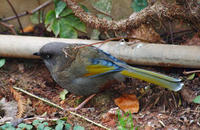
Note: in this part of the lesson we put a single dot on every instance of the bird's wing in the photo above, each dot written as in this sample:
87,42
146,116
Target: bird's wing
109,64
100,67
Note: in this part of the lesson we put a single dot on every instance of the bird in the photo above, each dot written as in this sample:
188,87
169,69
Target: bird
86,70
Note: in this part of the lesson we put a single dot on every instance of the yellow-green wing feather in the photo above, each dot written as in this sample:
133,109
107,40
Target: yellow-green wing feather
97,69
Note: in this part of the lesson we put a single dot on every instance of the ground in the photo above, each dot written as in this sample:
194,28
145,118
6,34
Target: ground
159,108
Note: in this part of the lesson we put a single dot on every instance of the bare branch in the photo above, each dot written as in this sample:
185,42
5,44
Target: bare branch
151,14
45,4
15,12
11,27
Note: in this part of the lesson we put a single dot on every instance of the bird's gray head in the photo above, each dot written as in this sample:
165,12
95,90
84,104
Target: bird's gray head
52,54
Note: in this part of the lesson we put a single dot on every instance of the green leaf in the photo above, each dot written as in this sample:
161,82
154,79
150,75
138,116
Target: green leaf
40,127
63,94
7,126
22,125
130,121
37,122
77,127
2,62
56,27
25,126
68,126
35,18
56,1
47,128
197,99
60,122
103,6
125,121
10,128
50,17
67,31
122,121
60,6
45,123
66,12
191,77
75,22
138,5
60,125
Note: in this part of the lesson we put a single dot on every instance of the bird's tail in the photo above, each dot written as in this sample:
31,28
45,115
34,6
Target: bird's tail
162,80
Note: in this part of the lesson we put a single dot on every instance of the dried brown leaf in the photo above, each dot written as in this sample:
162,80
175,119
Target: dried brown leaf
21,102
146,32
128,103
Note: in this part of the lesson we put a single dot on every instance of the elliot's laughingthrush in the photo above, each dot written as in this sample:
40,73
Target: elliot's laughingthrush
85,71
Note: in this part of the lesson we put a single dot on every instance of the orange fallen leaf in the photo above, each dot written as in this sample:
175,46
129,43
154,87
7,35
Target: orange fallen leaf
128,103
29,28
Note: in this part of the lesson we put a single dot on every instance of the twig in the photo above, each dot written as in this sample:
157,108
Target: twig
57,106
11,27
44,100
15,12
83,103
161,122
190,72
28,12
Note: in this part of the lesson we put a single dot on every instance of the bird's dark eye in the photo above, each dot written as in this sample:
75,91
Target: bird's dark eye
47,56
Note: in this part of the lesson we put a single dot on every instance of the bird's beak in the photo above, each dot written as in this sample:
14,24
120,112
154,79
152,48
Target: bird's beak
36,54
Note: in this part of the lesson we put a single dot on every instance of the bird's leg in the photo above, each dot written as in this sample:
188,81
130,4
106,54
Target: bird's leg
82,104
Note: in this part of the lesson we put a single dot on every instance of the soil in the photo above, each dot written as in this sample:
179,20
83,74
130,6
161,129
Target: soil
159,108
